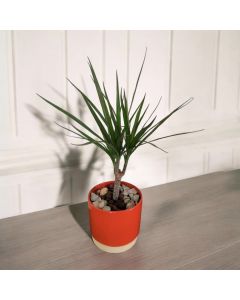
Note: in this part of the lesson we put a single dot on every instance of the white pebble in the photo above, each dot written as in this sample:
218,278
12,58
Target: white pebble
136,198
95,203
101,204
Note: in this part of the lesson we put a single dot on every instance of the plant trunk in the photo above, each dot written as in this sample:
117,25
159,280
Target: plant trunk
117,182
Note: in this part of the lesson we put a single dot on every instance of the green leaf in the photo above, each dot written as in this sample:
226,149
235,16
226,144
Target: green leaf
95,113
156,126
139,75
159,101
118,104
84,144
156,146
176,134
71,116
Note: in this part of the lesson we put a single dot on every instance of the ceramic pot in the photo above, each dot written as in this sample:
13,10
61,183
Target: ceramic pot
114,231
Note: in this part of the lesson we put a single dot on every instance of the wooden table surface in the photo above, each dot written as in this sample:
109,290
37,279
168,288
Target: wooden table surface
188,224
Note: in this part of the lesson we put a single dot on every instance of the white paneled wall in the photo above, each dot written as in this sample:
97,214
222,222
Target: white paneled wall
40,169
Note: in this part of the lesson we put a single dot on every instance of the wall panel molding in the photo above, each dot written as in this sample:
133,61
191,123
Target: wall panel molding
36,155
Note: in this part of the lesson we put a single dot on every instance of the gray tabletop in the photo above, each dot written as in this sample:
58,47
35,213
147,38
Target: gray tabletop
188,224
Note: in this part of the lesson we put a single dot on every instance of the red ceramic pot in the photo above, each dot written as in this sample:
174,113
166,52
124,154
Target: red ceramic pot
114,231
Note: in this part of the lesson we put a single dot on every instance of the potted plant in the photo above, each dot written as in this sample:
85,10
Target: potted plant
115,206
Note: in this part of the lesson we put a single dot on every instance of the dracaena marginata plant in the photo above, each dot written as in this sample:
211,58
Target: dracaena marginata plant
122,129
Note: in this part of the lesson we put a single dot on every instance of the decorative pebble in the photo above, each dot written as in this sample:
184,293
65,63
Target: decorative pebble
130,204
94,197
126,200
131,196
132,191
103,191
103,198
136,198
108,208
95,203
101,204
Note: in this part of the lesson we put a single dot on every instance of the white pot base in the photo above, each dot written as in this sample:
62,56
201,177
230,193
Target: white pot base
118,249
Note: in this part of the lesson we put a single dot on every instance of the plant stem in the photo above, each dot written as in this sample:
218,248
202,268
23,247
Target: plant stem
118,176
117,182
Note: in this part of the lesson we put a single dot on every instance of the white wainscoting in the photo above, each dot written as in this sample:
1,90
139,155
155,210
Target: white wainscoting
40,169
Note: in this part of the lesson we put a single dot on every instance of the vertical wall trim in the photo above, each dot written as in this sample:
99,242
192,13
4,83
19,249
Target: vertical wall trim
66,66
216,71
238,88
13,87
128,57
71,187
19,198
103,55
233,158
167,168
170,69
205,162
208,162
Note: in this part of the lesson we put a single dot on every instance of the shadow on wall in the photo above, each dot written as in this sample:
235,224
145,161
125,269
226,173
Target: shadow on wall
70,161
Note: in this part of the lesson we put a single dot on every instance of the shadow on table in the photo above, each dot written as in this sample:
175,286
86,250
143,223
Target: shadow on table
80,214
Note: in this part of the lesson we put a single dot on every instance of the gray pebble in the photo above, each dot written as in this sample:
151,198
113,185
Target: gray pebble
95,203
101,204
94,197
132,191
136,198
131,196
126,200
108,208
130,204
